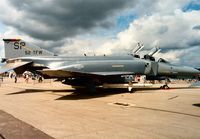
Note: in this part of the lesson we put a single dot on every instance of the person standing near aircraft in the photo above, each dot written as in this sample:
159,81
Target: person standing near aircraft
40,79
15,78
1,78
26,78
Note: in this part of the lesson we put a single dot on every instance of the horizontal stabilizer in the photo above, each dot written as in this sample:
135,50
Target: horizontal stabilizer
12,66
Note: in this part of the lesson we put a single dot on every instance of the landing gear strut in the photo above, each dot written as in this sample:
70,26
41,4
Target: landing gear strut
130,87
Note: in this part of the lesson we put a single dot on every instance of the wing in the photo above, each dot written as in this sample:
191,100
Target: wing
17,66
68,73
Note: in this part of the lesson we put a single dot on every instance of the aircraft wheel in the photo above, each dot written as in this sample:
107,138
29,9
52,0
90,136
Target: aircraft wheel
165,87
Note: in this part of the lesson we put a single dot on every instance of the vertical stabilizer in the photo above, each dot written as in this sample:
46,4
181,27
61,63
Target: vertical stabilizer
18,48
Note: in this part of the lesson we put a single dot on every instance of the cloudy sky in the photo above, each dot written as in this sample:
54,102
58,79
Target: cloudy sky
74,27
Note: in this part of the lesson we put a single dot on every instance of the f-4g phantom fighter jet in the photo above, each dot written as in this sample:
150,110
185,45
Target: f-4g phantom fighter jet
88,71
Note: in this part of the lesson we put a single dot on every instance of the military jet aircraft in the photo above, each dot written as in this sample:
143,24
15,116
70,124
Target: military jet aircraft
89,71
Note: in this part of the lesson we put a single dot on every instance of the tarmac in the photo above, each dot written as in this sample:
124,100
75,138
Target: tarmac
52,110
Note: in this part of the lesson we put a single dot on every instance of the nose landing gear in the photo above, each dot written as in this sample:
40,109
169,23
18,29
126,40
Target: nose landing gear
165,86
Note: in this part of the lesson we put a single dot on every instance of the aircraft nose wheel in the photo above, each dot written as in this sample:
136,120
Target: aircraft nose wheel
165,87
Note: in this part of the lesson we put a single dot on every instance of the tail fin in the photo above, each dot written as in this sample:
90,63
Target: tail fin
18,48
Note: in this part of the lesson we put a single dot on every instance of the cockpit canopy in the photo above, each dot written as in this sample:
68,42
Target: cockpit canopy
148,57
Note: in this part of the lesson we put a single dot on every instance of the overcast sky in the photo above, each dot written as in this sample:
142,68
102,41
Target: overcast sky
74,27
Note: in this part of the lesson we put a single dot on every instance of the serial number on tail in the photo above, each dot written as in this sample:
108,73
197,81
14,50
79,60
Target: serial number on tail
34,52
